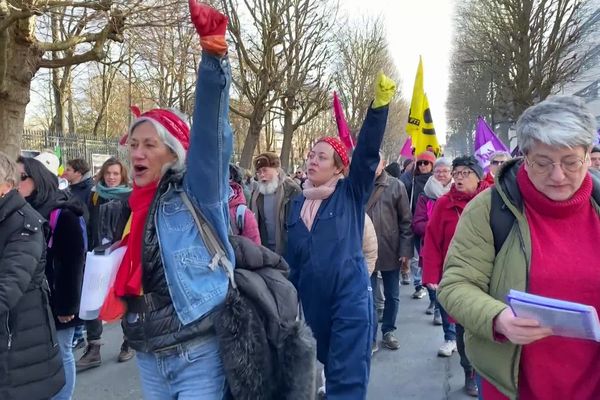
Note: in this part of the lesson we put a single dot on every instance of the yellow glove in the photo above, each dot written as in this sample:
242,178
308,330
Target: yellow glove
385,89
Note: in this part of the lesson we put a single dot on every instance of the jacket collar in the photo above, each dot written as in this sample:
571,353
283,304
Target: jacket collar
10,203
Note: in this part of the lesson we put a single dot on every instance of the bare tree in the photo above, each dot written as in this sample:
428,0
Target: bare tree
259,62
25,46
307,42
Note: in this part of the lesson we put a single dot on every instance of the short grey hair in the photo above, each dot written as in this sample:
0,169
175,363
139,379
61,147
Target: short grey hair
8,170
562,121
499,154
443,162
168,139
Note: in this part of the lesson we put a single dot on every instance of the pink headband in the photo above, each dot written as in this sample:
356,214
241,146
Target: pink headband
169,120
338,147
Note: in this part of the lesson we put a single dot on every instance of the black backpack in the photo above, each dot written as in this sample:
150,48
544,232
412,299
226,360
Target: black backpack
501,220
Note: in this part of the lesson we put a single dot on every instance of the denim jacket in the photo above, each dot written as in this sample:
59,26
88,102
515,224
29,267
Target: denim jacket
195,284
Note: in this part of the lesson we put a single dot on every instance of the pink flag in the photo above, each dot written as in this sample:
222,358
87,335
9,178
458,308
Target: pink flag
343,131
407,149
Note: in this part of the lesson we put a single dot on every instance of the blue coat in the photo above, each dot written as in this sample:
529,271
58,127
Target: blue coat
328,269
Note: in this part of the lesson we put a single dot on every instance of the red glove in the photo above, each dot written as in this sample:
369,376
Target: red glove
211,25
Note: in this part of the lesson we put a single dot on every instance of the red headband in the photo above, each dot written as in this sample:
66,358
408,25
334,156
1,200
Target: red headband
338,147
169,120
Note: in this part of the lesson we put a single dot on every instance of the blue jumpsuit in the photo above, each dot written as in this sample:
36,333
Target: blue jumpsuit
329,271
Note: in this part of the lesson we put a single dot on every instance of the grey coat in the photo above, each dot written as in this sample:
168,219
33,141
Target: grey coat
287,190
389,209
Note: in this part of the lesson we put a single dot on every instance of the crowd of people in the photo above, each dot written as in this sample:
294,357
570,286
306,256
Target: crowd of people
346,230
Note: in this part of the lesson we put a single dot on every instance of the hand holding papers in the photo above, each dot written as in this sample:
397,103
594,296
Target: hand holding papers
565,318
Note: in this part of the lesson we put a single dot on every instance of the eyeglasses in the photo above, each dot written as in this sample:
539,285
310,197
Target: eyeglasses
419,163
465,173
497,162
441,171
546,166
24,177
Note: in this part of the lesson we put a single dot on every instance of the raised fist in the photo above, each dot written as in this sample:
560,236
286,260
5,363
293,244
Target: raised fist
211,25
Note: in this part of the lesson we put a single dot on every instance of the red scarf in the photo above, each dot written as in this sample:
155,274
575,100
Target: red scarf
129,278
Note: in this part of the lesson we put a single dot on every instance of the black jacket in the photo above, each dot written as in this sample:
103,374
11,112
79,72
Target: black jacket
152,323
108,219
30,361
82,190
66,260
389,209
417,187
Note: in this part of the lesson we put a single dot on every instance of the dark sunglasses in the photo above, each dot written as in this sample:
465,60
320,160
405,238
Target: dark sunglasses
24,177
419,163
498,162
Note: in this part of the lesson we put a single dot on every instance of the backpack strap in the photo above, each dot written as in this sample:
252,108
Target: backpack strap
240,217
501,220
374,197
53,221
210,238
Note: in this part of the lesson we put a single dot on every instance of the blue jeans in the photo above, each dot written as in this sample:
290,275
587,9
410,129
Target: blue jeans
449,328
391,292
188,372
65,343
415,269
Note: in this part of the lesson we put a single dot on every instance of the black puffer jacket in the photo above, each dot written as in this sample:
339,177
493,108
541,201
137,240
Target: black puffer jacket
30,362
152,323
108,219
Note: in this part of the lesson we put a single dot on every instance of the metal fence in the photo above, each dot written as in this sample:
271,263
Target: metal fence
79,146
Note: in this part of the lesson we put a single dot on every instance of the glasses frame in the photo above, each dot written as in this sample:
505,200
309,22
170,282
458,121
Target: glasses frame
550,167
462,174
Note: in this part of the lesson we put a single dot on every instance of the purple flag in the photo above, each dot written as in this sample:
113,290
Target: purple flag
486,143
406,150
598,137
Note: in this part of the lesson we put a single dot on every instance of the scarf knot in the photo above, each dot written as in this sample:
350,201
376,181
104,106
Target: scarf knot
314,197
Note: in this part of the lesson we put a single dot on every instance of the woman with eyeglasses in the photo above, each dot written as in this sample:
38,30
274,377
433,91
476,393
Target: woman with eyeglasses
497,159
551,250
468,183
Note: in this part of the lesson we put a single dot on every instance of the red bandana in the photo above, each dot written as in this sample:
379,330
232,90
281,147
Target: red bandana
169,120
338,147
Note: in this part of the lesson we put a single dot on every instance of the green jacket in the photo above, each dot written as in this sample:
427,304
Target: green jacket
475,282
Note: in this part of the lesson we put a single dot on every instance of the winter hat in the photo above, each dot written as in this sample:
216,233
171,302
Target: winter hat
50,161
268,159
393,169
469,162
426,156
596,149
338,147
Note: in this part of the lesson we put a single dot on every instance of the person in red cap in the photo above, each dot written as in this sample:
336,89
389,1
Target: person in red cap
166,277
327,266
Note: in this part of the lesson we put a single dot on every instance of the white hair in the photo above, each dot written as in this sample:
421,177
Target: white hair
499,154
8,170
169,140
562,121
443,161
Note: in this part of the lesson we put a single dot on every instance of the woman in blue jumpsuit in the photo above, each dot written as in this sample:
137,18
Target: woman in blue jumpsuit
325,229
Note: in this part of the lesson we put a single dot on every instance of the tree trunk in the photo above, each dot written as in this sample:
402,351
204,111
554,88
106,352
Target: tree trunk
250,144
17,82
288,134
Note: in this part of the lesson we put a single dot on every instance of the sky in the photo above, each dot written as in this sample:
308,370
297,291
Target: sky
416,27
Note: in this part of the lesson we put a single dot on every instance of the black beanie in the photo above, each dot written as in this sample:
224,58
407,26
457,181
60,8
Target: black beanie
469,162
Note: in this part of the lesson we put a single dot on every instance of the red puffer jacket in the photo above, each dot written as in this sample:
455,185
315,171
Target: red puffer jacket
440,230
236,198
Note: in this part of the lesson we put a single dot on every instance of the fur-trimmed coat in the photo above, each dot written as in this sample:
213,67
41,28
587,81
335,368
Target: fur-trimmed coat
268,352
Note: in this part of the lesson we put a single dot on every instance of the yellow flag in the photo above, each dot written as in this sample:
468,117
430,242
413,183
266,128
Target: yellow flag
420,124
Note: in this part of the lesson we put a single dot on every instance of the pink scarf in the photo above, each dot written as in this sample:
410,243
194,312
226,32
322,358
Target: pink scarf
314,198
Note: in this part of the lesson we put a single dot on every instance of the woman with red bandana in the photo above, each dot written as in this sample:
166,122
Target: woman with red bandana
550,250
166,277
325,229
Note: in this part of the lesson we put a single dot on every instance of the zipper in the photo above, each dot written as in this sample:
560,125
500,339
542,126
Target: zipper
8,330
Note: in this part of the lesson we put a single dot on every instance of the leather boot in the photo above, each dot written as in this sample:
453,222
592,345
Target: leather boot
91,358
126,353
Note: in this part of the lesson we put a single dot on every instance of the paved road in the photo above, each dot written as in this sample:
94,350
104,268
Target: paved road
413,372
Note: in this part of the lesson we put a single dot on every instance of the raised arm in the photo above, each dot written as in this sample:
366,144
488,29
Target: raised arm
211,136
366,155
